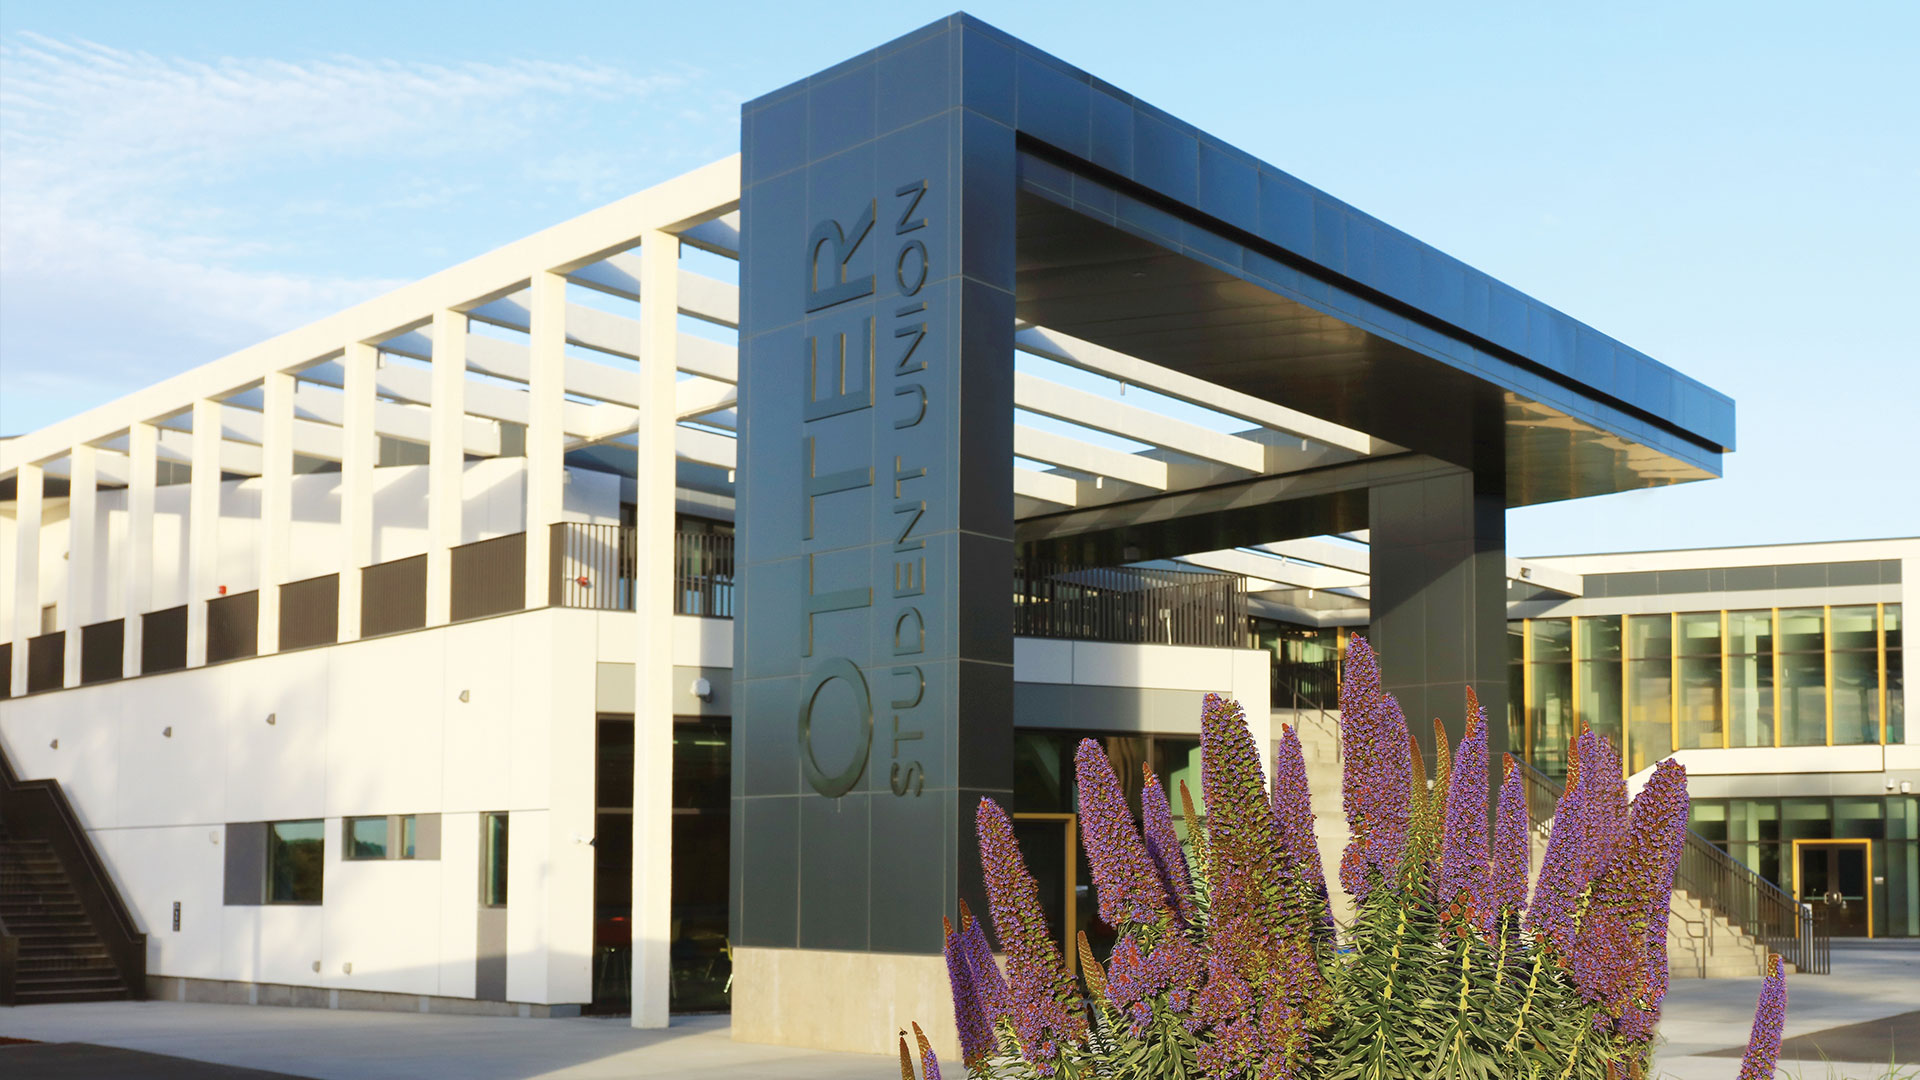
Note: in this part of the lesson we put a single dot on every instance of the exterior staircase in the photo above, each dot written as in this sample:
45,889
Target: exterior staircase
65,933
1702,940
56,953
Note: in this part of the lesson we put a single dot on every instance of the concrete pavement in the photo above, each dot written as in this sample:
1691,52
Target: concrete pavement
1869,982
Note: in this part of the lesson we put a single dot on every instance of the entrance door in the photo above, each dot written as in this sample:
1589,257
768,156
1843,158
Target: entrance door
1837,875
1048,844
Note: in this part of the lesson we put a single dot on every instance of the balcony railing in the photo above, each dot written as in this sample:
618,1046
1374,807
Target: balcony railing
594,566
1129,605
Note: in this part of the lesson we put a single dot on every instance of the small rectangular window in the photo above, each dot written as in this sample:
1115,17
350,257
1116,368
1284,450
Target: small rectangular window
493,869
393,836
295,862
366,838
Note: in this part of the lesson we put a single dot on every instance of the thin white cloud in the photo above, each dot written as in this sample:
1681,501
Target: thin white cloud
156,212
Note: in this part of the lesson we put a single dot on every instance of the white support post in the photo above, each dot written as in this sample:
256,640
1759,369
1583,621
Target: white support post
82,561
653,620
546,438
136,556
276,502
203,526
359,448
29,483
446,460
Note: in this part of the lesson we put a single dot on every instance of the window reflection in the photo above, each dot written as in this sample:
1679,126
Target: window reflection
1803,678
1649,690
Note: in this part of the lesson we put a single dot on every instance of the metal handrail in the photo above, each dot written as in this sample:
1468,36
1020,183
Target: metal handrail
40,808
1723,887
1129,604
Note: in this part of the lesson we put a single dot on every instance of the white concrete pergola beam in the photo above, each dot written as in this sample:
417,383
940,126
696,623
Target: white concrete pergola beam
1046,487
700,296
1069,453
603,331
1066,349
1048,398
582,241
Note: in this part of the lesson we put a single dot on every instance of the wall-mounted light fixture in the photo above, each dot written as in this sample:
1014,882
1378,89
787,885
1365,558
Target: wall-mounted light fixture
272,718
316,967
167,732
54,745
465,696
346,968
703,689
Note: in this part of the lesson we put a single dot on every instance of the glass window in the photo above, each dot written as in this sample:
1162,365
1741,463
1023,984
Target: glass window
295,862
702,764
1857,818
408,836
1517,690
1803,699
1701,712
1750,678
1600,685
1855,638
366,838
1550,707
1801,630
493,868
1896,677
1805,819
1649,690
1708,817
1552,639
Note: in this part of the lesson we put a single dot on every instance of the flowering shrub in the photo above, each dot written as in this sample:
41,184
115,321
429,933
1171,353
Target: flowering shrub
1236,970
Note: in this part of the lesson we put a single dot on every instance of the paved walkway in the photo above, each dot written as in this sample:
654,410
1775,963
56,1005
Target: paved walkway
347,1045
1869,983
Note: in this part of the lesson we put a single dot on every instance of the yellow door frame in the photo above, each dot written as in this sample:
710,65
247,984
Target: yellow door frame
1070,917
1866,845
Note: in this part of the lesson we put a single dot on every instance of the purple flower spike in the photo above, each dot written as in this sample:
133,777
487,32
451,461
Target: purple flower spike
988,984
1622,959
1463,841
1293,814
1378,762
1506,880
1763,1046
1046,1016
976,1031
1126,884
1587,822
929,1062
1163,846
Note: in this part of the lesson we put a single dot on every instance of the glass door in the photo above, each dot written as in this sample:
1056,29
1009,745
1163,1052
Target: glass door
1048,844
1837,875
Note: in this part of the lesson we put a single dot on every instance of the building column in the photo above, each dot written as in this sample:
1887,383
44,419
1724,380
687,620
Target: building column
29,485
359,448
446,460
653,609
203,526
82,560
136,568
546,436
276,502
1439,600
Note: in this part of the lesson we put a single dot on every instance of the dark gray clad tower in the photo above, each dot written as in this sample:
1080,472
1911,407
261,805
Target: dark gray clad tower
900,212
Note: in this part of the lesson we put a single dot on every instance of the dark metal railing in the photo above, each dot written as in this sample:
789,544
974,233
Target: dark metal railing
310,612
488,577
103,655
1130,605
703,574
393,596
594,567
163,640
1724,887
233,626
46,662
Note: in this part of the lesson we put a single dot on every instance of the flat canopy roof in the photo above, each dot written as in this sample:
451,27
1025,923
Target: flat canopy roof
1143,234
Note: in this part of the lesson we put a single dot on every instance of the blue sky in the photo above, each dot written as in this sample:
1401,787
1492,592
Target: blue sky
1732,187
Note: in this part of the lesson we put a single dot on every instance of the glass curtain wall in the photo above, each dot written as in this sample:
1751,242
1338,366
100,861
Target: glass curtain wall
1701,680
1761,833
